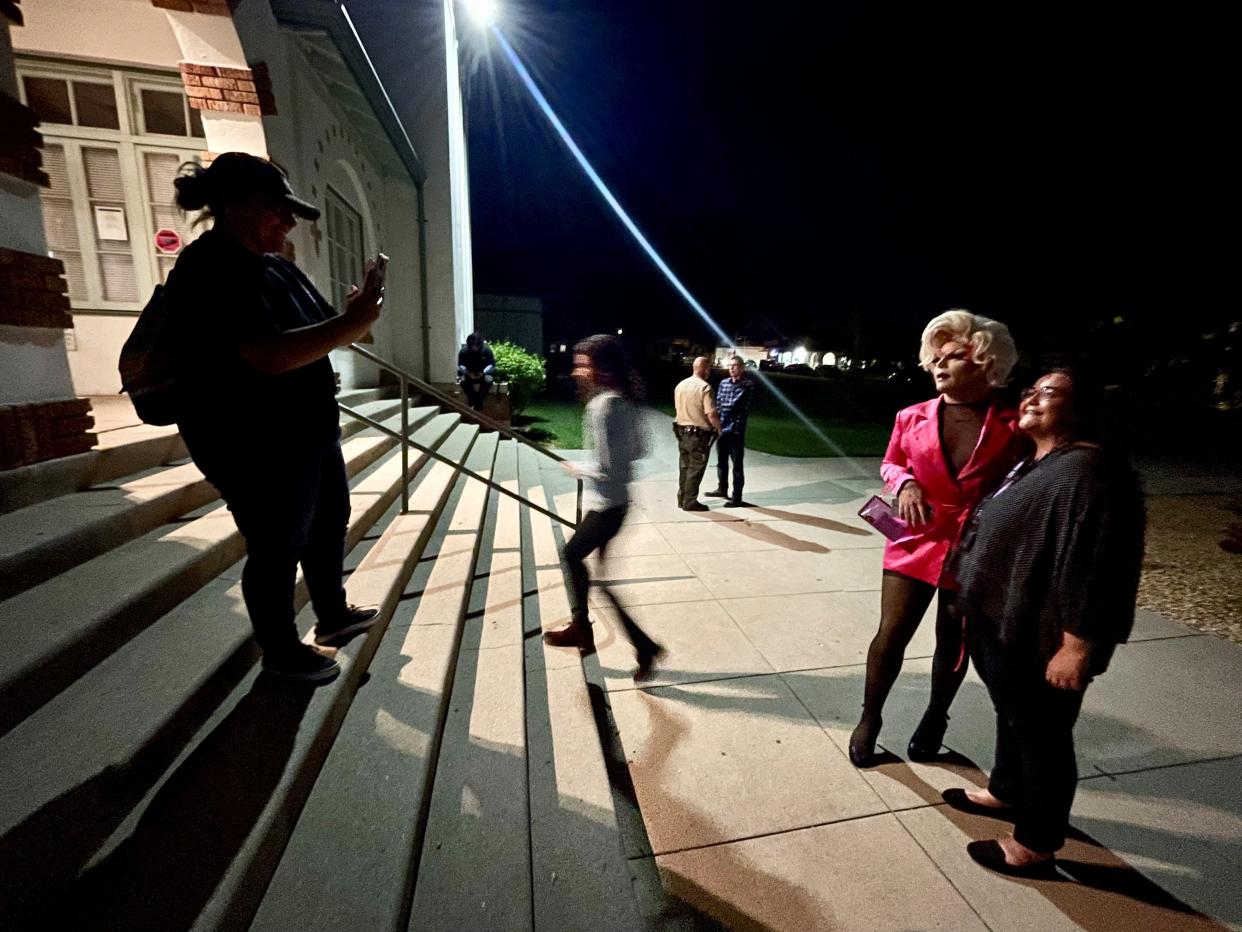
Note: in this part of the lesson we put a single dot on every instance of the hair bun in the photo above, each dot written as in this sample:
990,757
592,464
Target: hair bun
192,187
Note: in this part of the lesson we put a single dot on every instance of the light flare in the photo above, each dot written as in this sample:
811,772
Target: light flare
644,243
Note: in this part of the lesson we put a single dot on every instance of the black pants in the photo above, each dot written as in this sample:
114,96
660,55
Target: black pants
1036,769
290,511
730,446
693,447
594,532
476,390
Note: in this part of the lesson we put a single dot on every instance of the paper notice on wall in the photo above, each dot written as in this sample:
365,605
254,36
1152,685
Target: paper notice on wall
110,224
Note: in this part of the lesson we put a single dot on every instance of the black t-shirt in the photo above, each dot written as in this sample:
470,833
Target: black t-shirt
220,296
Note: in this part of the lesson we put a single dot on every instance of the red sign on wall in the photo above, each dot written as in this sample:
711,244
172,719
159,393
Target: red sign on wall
168,240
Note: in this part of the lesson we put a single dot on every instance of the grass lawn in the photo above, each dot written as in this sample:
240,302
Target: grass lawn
552,422
780,433
558,423
784,435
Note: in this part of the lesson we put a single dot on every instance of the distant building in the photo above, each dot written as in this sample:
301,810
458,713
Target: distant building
126,91
513,318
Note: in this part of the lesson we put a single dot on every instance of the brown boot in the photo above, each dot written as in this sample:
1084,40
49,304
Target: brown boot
575,634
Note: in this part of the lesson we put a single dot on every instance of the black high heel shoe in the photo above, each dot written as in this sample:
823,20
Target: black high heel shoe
862,740
928,736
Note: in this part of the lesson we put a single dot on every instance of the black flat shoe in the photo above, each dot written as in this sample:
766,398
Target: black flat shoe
647,660
991,855
957,799
862,742
928,736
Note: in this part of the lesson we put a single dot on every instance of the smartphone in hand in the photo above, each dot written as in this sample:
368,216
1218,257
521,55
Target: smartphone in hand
381,269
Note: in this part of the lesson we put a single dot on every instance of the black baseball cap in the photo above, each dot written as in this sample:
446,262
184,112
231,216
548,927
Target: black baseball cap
243,175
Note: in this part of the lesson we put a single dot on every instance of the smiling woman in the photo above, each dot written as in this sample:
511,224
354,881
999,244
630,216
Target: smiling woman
1050,569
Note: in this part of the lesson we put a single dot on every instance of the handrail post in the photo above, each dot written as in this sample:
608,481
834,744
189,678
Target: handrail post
405,445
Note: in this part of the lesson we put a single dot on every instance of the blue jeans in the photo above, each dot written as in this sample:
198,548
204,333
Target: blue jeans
292,509
730,446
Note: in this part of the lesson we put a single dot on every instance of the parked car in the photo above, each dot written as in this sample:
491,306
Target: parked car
828,372
798,368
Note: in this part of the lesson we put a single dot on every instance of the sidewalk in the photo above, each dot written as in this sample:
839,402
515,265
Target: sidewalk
750,810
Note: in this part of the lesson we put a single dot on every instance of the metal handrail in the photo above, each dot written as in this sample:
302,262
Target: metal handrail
404,437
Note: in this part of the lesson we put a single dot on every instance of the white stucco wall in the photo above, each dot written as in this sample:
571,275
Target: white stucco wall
109,30
402,313
424,104
31,358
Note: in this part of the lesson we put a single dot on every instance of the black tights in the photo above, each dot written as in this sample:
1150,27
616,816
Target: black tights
903,602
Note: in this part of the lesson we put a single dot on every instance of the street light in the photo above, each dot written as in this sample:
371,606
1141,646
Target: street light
483,12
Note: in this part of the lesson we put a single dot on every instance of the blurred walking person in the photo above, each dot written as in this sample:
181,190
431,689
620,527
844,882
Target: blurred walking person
611,425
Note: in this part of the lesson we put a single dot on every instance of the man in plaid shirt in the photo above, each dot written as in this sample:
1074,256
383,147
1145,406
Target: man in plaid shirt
733,399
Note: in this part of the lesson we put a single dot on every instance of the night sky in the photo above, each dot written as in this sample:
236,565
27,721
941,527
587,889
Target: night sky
810,168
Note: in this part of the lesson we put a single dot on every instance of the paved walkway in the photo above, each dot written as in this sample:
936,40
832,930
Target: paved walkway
751,813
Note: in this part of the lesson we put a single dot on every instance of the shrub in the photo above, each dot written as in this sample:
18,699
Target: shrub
522,370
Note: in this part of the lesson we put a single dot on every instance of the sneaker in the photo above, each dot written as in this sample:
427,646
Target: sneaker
695,506
355,620
302,663
717,493
736,503
575,634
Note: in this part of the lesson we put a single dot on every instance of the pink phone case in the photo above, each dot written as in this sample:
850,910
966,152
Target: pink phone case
879,514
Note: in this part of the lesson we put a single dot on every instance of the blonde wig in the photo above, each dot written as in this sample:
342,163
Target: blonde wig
990,344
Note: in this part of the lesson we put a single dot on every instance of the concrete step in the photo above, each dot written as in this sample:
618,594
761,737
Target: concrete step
474,871
118,453
60,628
266,781
121,451
50,537
83,773
379,772
579,875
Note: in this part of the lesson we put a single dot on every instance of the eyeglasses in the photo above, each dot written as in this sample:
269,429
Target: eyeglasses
1044,392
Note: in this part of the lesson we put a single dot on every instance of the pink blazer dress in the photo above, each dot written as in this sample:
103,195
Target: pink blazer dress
915,452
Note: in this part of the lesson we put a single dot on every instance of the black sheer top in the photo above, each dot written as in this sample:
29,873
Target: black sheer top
1058,547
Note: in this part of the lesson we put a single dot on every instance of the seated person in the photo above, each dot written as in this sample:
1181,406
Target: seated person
475,368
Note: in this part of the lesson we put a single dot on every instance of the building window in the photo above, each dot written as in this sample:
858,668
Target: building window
113,141
168,113
345,248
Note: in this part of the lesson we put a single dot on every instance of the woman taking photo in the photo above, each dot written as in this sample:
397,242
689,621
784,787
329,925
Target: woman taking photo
257,405
1049,569
944,456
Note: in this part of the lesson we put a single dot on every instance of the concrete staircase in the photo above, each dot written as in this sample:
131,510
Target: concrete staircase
152,778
